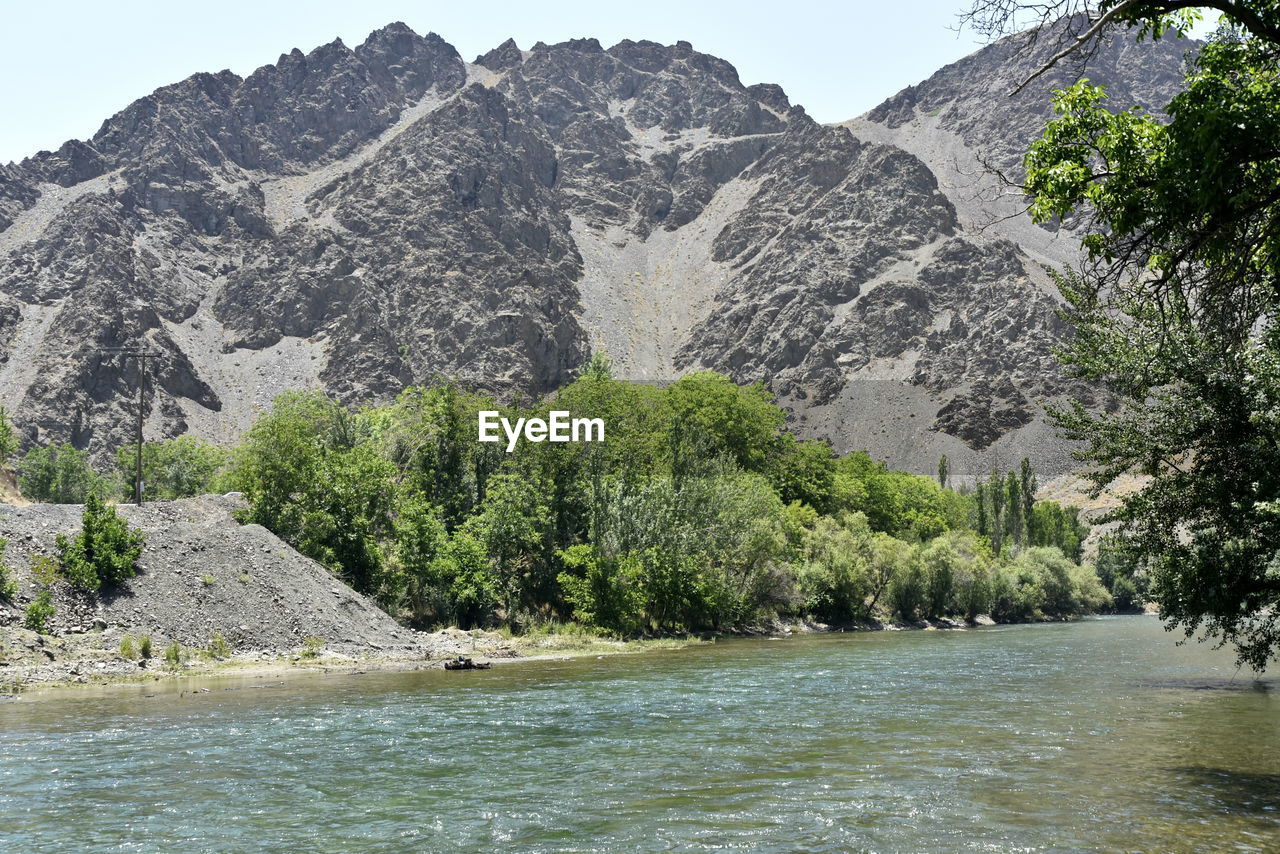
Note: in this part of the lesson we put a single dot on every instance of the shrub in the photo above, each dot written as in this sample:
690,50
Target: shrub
311,647
607,594
940,562
45,570
105,550
208,580
127,649
218,647
173,654
39,613
144,646
909,589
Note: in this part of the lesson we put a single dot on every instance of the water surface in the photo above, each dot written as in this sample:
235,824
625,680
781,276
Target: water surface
1094,735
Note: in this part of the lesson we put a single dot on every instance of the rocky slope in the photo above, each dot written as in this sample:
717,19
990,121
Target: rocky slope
360,219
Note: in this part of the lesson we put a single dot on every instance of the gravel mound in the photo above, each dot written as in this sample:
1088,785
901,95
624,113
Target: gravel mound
203,572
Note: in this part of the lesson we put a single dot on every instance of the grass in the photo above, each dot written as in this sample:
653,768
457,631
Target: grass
218,648
557,636
311,647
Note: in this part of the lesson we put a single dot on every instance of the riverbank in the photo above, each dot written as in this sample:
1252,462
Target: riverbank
42,665
94,659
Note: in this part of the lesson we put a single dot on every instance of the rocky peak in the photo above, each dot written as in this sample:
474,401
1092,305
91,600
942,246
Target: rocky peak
504,56
360,219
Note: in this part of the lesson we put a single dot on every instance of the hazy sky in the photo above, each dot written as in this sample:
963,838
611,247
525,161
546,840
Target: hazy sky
65,67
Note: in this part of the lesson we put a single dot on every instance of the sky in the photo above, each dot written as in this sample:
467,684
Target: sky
66,67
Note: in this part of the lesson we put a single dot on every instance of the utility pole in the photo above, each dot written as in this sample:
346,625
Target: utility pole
141,354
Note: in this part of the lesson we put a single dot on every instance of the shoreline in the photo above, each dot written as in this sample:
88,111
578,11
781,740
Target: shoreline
81,677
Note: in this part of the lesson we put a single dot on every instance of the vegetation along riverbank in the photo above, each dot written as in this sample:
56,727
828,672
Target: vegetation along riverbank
357,535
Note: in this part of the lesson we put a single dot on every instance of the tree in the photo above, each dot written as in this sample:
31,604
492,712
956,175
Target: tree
741,421
104,552
8,438
312,474
59,475
1176,309
943,471
834,575
1027,480
175,468
1013,505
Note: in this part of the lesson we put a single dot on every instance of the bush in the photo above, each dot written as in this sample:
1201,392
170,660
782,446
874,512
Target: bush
105,550
173,654
218,647
39,613
127,650
311,647
144,647
1054,586
60,475
909,589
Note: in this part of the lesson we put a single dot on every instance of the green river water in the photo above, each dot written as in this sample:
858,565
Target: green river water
1096,735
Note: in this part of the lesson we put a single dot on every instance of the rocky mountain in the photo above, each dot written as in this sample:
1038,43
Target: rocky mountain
361,219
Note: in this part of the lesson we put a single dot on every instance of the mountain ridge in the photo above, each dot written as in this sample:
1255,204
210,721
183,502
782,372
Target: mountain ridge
361,219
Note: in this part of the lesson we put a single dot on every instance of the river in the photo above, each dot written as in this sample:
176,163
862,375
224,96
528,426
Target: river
1100,734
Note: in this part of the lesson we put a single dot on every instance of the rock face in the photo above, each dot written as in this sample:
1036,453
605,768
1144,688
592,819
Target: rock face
365,219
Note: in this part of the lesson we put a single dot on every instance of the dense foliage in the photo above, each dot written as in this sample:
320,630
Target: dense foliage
59,474
8,438
698,511
176,468
1176,310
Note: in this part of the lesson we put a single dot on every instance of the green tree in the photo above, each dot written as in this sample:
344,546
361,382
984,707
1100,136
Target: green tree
605,593
944,470
741,421
1014,527
313,474
104,552
513,526
59,475
8,438
175,468
1176,311
1027,481
834,576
